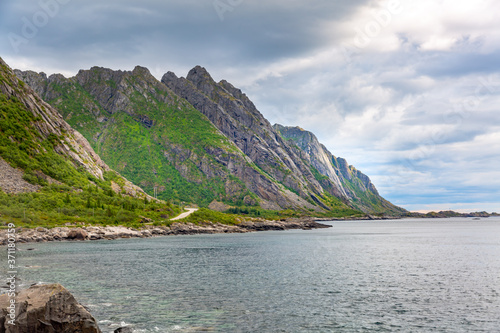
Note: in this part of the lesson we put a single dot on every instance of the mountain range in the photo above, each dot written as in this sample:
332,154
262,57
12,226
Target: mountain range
199,141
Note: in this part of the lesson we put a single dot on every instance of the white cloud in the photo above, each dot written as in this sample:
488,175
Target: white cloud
436,43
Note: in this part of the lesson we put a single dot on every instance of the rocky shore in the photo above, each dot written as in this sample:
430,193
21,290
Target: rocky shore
39,234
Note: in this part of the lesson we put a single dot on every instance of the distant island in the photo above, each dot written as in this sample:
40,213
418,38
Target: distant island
450,213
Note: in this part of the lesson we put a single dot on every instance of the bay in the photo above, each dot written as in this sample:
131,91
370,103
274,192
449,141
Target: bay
413,275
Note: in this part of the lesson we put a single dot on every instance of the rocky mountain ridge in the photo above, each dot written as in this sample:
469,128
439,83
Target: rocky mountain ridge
241,122
201,141
335,171
49,122
110,100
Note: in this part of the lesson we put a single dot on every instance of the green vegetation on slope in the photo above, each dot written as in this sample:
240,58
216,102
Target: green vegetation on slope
76,197
280,214
363,199
377,204
77,107
161,144
57,205
24,149
206,215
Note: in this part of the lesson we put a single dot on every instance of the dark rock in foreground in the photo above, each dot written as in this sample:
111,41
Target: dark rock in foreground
46,309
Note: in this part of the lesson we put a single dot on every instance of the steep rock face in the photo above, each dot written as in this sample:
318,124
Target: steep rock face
46,309
115,91
236,116
347,179
36,81
315,153
157,139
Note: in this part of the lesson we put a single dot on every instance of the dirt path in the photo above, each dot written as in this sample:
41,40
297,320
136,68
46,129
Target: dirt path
185,214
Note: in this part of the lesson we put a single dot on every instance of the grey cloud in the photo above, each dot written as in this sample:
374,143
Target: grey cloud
446,64
251,33
255,36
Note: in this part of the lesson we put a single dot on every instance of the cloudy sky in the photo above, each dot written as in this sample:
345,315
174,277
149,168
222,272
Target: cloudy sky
407,91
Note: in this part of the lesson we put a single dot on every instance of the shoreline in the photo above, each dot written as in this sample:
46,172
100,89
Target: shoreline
90,233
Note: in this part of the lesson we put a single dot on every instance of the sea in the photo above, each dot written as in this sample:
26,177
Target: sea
411,275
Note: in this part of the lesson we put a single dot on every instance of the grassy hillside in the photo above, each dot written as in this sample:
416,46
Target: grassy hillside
57,205
81,198
28,150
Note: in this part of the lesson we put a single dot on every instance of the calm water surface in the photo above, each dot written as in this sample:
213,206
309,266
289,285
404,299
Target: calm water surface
385,276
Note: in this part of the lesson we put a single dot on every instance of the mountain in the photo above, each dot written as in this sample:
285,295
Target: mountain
335,170
294,158
156,139
196,140
238,119
49,173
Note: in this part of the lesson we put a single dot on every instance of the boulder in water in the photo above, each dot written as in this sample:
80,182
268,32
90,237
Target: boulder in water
123,330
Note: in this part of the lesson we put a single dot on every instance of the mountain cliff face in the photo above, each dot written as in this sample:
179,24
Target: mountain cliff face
236,116
346,178
35,139
201,141
157,139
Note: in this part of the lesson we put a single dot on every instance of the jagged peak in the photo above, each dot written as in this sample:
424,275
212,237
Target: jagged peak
199,70
168,77
116,74
295,131
237,93
140,70
298,128
55,77
228,84
99,70
231,88
30,72
279,126
199,74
